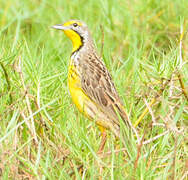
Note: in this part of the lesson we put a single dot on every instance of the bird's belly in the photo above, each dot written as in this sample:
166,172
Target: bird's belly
84,104
78,96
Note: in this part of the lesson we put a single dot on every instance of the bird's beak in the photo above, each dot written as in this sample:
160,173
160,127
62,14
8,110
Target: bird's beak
60,27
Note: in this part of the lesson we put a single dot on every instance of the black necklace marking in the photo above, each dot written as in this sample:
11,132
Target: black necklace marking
82,40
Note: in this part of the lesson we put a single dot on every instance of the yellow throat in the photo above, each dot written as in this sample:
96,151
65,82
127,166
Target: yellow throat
76,39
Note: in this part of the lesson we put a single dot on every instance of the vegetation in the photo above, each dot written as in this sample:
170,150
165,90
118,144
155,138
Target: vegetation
144,46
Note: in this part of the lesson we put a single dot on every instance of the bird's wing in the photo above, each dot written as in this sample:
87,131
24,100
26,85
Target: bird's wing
98,86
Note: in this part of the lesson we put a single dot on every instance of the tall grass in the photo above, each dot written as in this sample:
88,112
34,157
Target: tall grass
42,134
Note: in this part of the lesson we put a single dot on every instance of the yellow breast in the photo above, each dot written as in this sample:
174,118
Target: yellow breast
74,83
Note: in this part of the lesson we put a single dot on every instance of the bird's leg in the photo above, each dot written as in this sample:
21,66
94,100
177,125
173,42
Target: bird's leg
103,141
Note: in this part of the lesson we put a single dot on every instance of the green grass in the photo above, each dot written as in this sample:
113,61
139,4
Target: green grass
142,52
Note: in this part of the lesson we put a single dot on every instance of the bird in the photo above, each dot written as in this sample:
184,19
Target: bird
90,83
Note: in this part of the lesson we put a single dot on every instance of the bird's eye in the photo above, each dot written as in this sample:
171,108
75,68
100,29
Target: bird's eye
75,24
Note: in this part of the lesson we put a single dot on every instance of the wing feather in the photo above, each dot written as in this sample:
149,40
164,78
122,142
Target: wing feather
97,84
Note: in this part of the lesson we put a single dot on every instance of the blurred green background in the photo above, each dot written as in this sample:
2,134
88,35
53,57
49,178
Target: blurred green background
43,136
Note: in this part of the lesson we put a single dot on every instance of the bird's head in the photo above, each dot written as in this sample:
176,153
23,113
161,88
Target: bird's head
76,30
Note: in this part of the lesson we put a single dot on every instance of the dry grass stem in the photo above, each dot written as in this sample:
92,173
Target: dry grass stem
174,159
182,85
156,137
32,126
139,146
150,110
102,40
7,80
